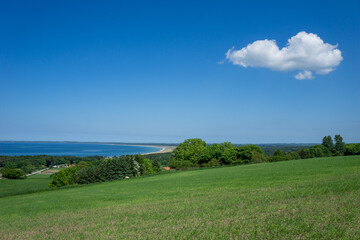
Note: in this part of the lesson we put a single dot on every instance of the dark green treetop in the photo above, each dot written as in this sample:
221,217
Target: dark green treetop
328,143
339,148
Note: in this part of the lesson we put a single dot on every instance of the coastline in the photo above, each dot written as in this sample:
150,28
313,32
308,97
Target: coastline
164,149
161,148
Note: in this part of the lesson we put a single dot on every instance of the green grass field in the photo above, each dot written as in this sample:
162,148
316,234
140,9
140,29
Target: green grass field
31,184
301,199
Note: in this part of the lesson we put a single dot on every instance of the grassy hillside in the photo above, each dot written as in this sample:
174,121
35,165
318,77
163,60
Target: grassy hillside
312,198
19,186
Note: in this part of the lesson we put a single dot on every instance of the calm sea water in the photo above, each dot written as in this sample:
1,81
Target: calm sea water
71,149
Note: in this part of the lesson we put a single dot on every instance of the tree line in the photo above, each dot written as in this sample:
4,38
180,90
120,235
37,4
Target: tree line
196,153
28,164
106,170
191,153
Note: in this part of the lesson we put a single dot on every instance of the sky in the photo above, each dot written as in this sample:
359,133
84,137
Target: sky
166,71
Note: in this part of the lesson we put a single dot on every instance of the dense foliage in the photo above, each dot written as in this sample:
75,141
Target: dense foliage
195,153
162,158
13,173
270,148
107,170
352,149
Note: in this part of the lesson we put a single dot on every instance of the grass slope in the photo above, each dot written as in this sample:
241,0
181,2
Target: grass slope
20,186
301,199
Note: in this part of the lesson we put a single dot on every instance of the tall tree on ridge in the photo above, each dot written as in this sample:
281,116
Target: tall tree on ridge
339,148
328,143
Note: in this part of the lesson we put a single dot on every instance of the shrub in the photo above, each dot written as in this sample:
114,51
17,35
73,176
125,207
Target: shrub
146,167
13,173
190,150
212,163
178,164
63,177
319,151
352,149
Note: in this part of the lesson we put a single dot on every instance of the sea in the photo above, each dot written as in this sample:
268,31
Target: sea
71,149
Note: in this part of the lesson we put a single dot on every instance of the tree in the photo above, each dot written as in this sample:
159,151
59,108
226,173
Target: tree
156,165
29,168
189,151
63,177
13,173
304,153
228,153
319,151
352,149
146,167
339,148
278,152
257,153
328,143
212,152
244,154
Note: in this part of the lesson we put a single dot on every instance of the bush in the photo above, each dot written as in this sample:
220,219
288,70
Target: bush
146,167
190,150
63,177
178,164
13,173
319,151
352,149
88,175
212,163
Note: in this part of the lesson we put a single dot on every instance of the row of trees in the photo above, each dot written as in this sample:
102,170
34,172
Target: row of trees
327,149
107,170
196,153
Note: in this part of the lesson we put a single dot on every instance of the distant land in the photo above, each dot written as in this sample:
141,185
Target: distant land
268,148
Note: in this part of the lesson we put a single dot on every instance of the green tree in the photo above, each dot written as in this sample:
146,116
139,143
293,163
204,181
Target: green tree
328,143
190,151
13,173
339,148
212,152
244,154
278,152
304,153
28,168
228,153
352,149
319,151
63,177
156,165
257,153
146,167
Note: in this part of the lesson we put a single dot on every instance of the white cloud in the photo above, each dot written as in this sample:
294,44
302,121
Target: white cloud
304,75
306,52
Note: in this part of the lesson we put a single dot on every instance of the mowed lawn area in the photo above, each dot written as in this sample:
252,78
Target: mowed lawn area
300,199
32,183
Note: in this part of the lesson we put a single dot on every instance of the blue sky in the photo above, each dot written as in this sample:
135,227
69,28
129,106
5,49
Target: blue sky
135,71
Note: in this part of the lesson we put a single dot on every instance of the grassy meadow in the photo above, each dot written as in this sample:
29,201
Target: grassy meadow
32,183
299,199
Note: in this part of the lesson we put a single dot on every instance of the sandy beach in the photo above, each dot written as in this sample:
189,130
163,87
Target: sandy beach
164,149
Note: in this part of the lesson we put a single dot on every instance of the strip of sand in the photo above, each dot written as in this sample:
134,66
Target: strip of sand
164,149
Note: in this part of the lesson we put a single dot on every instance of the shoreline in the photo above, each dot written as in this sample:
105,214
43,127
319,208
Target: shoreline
164,149
160,148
